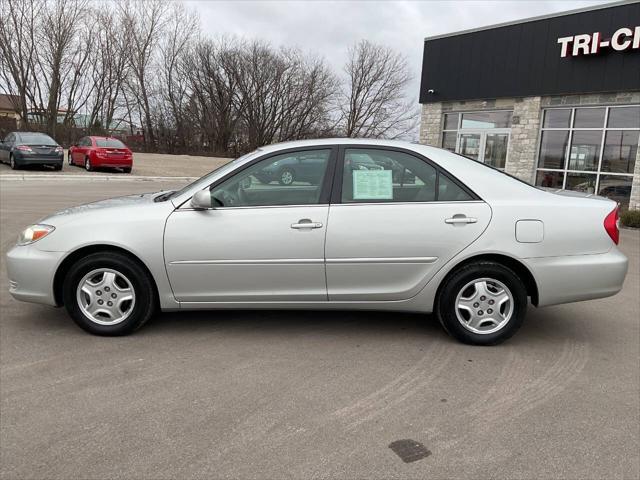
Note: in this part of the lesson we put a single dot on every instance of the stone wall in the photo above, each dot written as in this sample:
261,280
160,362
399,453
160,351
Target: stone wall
523,144
431,124
527,115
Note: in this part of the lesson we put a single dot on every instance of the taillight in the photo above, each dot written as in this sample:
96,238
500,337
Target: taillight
24,148
611,225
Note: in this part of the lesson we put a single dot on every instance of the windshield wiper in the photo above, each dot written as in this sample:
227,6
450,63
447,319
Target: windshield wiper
164,197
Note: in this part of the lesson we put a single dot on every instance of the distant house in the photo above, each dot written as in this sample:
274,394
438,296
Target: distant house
7,106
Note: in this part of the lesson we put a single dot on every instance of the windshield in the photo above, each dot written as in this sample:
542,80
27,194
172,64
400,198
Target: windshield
110,143
36,139
204,179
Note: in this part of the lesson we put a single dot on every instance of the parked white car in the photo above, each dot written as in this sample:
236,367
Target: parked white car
460,239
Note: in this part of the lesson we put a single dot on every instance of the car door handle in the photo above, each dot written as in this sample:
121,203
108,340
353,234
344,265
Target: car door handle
460,219
306,223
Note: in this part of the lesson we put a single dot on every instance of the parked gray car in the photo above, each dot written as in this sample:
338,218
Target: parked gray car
20,149
463,240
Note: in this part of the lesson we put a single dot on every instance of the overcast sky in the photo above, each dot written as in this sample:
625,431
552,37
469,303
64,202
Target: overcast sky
327,28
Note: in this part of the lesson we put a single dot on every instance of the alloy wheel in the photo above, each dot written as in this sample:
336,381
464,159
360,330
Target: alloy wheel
286,177
106,296
484,306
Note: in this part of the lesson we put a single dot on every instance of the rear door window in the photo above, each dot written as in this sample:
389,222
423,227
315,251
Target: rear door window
376,175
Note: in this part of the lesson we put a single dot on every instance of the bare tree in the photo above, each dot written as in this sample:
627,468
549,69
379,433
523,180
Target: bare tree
282,95
182,27
18,20
215,101
108,68
373,102
144,22
59,48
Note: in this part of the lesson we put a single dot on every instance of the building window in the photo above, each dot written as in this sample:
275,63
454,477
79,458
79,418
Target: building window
450,131
590,149
483,136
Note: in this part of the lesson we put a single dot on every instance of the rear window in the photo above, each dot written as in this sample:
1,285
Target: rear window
36,139
109,143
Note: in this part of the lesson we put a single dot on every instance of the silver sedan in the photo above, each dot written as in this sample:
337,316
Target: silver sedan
328,224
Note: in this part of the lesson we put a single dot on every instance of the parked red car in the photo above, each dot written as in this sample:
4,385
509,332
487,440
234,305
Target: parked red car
101,152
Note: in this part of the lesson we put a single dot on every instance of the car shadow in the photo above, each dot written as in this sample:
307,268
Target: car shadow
544,326
295,321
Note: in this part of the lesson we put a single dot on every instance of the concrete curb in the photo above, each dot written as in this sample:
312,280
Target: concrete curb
95,178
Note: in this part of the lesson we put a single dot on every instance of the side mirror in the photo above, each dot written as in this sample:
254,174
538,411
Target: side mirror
202,200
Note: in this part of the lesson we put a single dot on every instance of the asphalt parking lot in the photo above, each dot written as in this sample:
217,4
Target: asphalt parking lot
311,394
144,164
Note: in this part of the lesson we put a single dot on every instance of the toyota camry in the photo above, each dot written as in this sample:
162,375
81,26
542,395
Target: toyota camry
425,231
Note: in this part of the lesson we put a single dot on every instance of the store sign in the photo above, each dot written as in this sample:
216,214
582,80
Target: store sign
626,38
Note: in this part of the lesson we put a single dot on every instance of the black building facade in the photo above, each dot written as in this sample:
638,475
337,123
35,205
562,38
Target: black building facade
554,100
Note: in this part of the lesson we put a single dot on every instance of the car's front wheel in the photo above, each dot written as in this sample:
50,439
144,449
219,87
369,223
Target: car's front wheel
109,294
482,303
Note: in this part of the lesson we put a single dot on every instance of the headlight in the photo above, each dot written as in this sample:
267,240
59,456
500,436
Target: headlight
34,233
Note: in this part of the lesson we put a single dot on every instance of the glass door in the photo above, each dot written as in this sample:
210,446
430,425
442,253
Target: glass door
487,147
495,149
469,145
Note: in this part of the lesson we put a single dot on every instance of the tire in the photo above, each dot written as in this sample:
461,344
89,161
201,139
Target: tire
467,301
87,164
13,163
126,170
286,177
57,167
109,277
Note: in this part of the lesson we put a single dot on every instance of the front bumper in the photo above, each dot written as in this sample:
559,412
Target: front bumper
31,272
578,277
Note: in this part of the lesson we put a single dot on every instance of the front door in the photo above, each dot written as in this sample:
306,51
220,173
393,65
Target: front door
264,241
389,234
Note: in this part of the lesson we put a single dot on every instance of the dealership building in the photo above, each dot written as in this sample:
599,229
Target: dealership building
553,100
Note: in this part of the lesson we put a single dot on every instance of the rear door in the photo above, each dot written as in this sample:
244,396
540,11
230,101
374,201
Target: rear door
387,237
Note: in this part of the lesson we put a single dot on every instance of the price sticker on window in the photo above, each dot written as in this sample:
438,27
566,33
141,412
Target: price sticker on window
372,185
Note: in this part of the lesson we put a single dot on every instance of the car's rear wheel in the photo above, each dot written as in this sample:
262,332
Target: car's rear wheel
287,176
482,303
127,170
109,294
12,163
87,164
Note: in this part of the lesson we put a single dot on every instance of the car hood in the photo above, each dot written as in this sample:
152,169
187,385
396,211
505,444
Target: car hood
102,206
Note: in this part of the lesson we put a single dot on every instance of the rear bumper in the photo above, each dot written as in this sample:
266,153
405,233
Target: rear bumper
39,160
111,162
579,277
31,272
